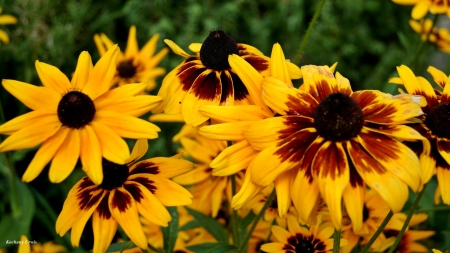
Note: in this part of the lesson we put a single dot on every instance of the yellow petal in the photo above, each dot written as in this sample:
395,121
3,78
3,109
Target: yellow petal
278,66
195,47
45,154
283,185
248,191
225,131
132,48
139,150
149,48
99,44
114,148
170,193
91,154
162,117
234,113
176,49
24,246
7,19
104,231
420,9
52,77
439,77
4,37
233,159
34,97
264,133
82,72
305,194
24,120
133,106
66,157
168,167
354,204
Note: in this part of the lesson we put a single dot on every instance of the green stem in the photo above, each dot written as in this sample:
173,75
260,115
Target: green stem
256,220
308,31
423,47
408,219
336,241
234,215
433,209
378,232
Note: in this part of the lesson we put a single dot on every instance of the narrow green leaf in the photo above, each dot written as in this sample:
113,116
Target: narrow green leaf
190,225
170,232
247,220
212,247
27,206
9,230
120,246
211,225
405,42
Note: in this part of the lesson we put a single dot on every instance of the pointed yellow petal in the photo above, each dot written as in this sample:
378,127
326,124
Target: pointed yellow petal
82,72
162,117
7,19
167,167
101,76
265,133
114,148
176,49
24,247
170,193
104,231
283,185
278,66
439,77
195,47
248,191
225,131
197,175
139,150
23,121
34,97
149,48
304,194
91,154
234,113
99,44
132,48
66,157
420,9
52,77
354,204
233,159
45,154
4,37
417,86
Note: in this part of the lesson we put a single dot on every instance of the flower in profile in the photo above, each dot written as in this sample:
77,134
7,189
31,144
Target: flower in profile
421,7
333,141
438,36
433,125
81,118
127,190
6,20
207,77
47,247
316,239
134,65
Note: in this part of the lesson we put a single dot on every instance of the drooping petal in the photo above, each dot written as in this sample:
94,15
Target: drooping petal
283,185
104,231
248,191
66,157
127,126
82,72
91,154
52,77
278,66
176,49
343,84
417,86
32,135
34,97
124,210
233,159
101,76
114,148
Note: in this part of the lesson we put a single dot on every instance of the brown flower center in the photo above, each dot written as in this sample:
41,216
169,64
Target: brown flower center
75,109
126,69
215,50
338,117
114,175
438,120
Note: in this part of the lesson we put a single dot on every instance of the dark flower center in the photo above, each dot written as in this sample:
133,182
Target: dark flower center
76,109
274,203
114,175
438,120
366,213
216,49
304,244
126,69
338,117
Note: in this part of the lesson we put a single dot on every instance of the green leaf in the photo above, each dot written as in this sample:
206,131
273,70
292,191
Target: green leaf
170,232
9,230
247,220
211,225
212,247
120,246
190,225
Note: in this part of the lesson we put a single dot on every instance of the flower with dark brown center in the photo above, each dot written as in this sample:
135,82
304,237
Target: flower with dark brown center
114,175
126,69
438,120
215,50
76,109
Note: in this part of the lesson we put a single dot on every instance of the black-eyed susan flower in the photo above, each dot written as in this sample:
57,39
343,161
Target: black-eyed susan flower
207,78
127,190
316,239
333,141
421,7
6,20
27,246
78,118
134,65
438,36
433,125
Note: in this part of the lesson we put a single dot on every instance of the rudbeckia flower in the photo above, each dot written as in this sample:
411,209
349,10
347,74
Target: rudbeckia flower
134,65
421,7
6,20
126,191
300,239
333,141
207,77
81,118
438,36
433,124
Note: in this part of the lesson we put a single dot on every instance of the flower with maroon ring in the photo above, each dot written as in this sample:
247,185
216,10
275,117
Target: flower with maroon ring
81,118
433,124
333,141
127,190
207,78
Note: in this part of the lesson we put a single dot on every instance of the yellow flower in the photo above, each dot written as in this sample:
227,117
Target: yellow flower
134,65
126,191
421,7
6,20
82,118
440,37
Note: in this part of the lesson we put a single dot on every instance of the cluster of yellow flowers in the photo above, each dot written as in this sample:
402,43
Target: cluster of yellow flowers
312,159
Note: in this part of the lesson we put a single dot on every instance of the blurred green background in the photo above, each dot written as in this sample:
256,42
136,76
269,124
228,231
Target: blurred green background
367,37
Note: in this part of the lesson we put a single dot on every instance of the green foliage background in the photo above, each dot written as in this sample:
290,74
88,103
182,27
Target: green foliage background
367,37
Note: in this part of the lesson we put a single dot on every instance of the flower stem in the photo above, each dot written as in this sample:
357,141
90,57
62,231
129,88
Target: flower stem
336,241
378,232
408,219
234,215
433,209
423,48
308,31
256,220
